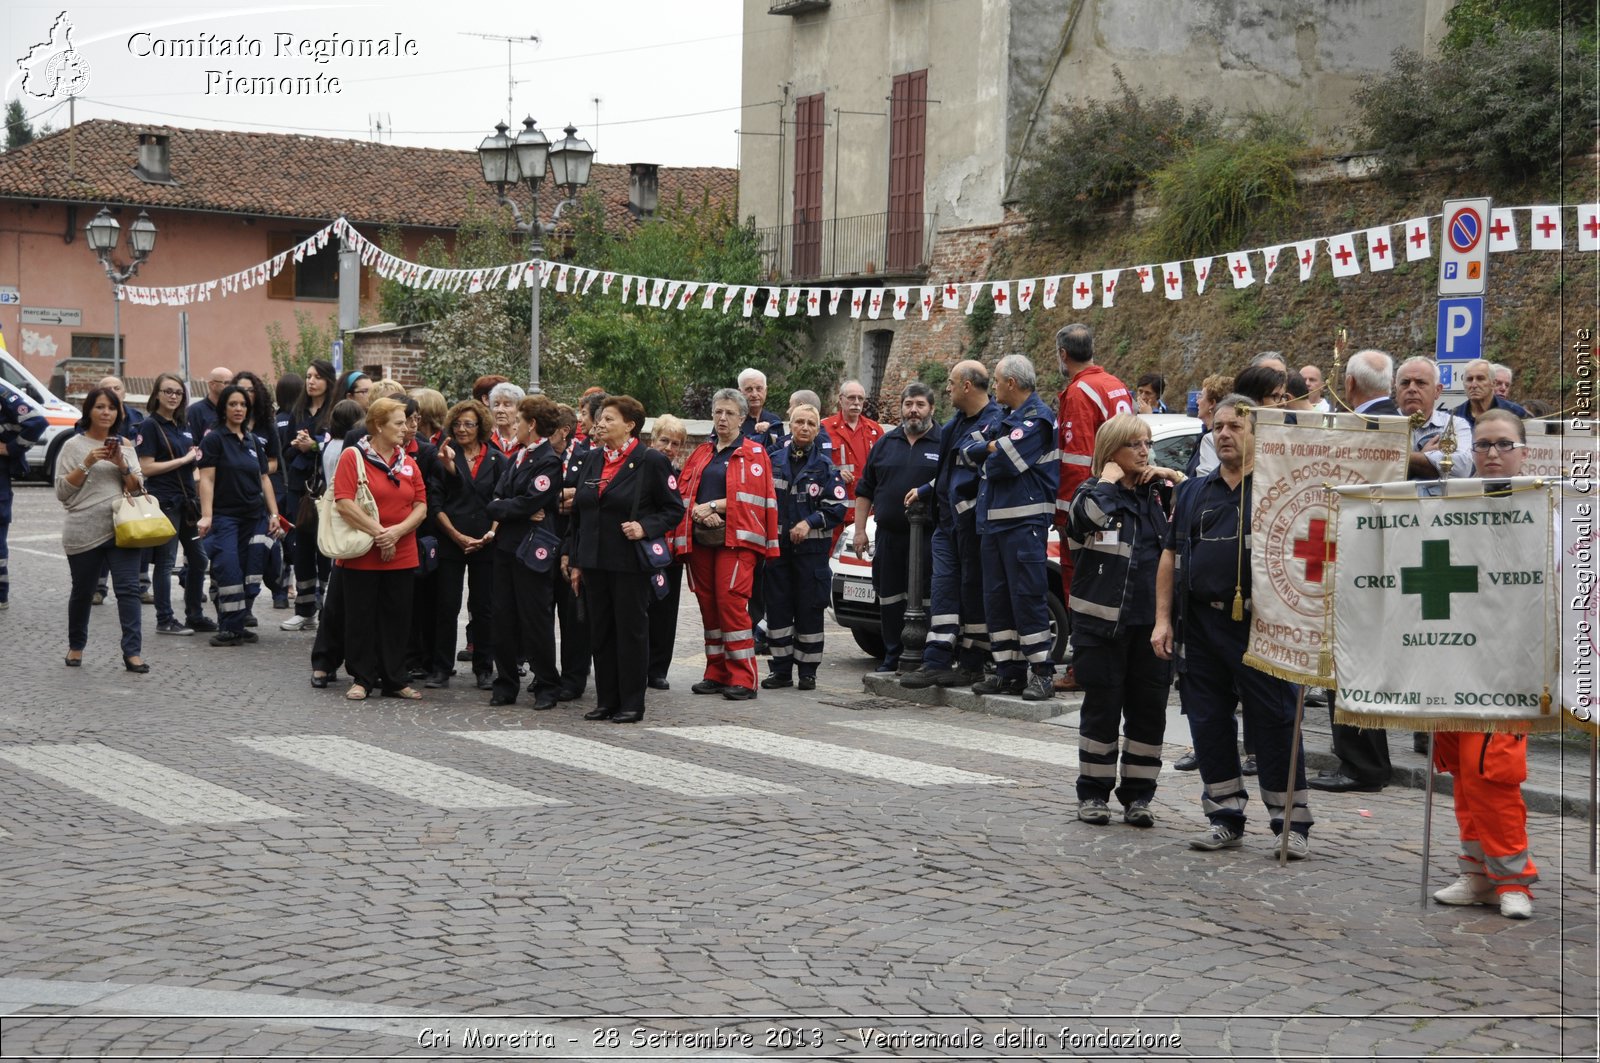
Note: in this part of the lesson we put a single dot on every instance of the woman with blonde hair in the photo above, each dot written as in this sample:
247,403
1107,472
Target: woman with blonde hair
669,436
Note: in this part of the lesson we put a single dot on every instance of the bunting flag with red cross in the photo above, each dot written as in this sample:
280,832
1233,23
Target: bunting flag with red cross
1292,542
1082,292
1380,249
1269,262
1502,229
1430,588
1172,279
928,295
902,300
1000,292
1419,242
1052,286
950,296
1545,232
834,295
1202,273
1342,256
1305,253
858,300
1025,291
1147,278
1108,286
1589,227
1239,269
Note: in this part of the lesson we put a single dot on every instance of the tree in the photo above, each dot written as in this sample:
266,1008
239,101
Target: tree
19,130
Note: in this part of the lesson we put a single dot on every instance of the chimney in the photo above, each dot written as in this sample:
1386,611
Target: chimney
644,190
155,160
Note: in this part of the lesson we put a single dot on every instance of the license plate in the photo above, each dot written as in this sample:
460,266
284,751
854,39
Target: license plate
858,592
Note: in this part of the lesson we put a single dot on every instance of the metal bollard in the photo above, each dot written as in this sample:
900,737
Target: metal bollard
914,633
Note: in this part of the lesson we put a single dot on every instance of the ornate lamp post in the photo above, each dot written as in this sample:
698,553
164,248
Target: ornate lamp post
507,161
102,235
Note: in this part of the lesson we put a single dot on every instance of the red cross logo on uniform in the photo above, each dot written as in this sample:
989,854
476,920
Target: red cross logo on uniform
1315,550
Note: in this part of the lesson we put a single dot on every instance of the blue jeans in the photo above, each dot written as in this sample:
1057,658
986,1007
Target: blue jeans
85,568
194,576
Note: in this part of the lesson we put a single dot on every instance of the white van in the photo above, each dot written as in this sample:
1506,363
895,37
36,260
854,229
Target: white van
63,416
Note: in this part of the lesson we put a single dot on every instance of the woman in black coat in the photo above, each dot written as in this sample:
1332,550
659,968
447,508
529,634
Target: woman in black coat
525,508
462,486
627,494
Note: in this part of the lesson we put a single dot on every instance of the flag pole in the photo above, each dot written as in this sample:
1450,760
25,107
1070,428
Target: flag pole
1288,786
1427,821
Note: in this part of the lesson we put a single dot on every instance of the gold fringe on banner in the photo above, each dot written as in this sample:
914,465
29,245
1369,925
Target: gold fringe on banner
1375,720
1304,678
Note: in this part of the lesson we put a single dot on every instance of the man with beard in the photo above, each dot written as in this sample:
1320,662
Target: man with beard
904,459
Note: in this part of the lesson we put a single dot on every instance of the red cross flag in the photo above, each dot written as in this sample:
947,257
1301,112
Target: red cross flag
667,296
927,301
1025,290
605,282
1502,230
791,301
858,299
1546,232
1305,253
1147,278
1082,292
814,302
902,299
1202,273
834,295
561,278
772,303
1108,286
874,303
1269,262
1418,243
950,295
1172,279
1589,227
627,286
1052,285
1239,269
688,293
710,296
1380,249
728,296
1001,292
1342,256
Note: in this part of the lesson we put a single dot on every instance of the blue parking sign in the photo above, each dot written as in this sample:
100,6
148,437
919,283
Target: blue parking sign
1460,329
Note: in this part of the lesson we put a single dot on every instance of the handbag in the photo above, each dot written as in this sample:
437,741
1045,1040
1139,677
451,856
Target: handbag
190,507
336,537
427,555
653,553
139,522
704,536
540,548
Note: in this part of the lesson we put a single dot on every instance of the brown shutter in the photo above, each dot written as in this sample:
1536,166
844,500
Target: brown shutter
808,186
908,130
281,286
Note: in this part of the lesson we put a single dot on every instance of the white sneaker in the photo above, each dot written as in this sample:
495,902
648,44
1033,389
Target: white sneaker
1468,889
1299,846
299,623
1516,904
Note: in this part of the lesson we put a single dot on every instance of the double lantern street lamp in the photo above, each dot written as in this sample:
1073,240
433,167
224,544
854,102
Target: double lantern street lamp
507,161
102,235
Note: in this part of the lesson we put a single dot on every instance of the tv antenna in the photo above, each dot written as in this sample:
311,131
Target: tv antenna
378,125
511,84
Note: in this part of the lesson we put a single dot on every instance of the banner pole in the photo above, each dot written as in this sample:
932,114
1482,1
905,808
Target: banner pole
1427,820
1288,785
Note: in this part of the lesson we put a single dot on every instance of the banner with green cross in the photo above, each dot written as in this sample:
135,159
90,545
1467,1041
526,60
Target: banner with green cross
1444,608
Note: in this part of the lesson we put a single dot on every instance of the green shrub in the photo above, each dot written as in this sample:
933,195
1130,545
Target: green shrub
1213,196
1503,102
1095,152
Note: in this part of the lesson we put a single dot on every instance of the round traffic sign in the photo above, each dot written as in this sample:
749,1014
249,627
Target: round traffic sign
1465,230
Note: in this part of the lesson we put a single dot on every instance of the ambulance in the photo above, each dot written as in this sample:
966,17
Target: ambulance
63,416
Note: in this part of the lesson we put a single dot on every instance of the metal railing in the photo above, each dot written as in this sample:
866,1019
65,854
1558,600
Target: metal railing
887,244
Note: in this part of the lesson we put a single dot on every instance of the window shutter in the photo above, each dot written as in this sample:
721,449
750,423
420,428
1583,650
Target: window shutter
281,286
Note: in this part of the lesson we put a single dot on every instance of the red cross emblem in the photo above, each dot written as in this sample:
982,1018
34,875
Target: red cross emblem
813,299
877,301
1272,263
1082,289
1418,235
949,291
1380,248
1000,296
1545,226
1305,259
1343,255
1315,550
1240,269
1144,274
899,304
1499,228
1050,290
1027,290
1201,273
1592,226
856,303
1172,281
1111,286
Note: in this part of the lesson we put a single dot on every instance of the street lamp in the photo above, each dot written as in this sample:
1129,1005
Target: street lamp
508,161
102,235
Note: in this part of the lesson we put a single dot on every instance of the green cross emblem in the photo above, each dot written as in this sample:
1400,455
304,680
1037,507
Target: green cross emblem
1436,579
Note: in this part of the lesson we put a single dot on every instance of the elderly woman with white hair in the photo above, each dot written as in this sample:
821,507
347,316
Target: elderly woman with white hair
504,399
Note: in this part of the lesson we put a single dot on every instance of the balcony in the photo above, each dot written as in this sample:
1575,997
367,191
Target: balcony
797,7
890,244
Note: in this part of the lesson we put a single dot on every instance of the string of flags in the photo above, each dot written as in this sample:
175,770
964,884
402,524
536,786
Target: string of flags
1379,247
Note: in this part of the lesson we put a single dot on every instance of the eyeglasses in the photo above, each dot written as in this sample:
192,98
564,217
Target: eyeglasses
172,391
1483,446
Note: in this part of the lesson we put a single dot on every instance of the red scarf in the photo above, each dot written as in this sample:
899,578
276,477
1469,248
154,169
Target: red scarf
612,464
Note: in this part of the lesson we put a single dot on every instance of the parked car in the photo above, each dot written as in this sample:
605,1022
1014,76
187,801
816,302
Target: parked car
62,416
855,605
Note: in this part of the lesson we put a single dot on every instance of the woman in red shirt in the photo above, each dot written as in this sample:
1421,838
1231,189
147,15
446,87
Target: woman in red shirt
378,584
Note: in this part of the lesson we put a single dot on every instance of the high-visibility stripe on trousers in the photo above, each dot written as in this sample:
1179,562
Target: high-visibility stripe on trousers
1125,684
1015,602
956,626
237,550
1489,770
797,588
721,577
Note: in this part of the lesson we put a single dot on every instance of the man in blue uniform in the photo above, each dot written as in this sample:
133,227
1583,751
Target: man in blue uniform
1203,620
21,425
1016,505
903,460
958,637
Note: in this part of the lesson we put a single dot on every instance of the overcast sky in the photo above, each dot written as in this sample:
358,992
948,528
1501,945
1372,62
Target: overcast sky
666,74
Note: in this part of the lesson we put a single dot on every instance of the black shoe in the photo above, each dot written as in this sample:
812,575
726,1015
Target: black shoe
138,669
1315,699
656,682
1187,762
544,701
598,713
533,686
227,638
201,625
1337,782
1247,766
321,681
995,685
739,693
465,656
1419,742
250,619
485,680
888,665
807,682
632,716
502,699
707,686
419,672
280,603
249,636
924,677
1038,688
568,692
437,680
776,682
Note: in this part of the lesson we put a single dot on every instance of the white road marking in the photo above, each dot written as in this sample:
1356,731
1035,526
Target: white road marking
629,765
832,757
1060,754
138,785
396,773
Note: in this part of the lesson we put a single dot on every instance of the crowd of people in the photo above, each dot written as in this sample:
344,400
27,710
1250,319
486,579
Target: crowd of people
567,535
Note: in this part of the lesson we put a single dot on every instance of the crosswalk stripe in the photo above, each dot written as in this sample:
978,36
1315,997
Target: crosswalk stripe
396,773
1057,753
630,765
138,785
835,758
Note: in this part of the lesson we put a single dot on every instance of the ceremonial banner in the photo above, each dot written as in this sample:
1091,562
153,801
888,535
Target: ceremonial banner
1560,448
1575,595
1292,552
1444,616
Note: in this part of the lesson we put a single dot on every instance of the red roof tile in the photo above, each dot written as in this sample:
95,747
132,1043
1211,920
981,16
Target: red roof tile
294,176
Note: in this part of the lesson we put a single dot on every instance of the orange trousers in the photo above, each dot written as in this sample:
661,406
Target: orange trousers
1489,770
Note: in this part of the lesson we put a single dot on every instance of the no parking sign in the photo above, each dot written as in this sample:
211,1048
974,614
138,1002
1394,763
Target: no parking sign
1464,253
